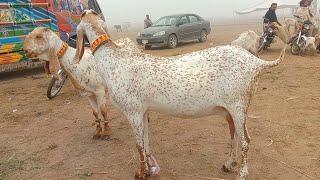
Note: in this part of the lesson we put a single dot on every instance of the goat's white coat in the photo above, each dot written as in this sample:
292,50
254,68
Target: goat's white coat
248,40
84,75
193,85
311,45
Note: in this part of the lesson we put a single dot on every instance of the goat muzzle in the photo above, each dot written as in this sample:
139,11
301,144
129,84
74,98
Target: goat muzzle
30,54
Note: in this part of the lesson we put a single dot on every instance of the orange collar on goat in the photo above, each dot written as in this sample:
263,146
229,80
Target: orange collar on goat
62,50
99,41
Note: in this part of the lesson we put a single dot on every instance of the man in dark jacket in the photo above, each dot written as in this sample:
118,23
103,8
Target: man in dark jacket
271,15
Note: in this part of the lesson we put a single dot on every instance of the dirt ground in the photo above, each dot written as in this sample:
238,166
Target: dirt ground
52,139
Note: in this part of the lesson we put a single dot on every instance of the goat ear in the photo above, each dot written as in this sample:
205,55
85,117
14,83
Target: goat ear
84,13
80,46
54,65
94,12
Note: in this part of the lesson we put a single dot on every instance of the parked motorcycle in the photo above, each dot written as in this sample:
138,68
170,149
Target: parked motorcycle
268,35
298,44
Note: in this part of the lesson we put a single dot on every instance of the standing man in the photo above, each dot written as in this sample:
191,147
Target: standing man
147,22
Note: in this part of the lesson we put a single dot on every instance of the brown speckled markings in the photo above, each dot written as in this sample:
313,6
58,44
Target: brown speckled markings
84,76
193,85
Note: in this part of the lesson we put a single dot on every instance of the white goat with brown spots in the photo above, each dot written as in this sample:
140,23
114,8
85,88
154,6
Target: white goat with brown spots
249,41
44,44
312,44
193,85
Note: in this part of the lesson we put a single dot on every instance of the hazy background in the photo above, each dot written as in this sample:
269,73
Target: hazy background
134,11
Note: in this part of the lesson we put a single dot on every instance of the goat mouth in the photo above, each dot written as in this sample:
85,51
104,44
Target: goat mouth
31,54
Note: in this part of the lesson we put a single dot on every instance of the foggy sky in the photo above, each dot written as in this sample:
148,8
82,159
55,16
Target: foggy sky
118,11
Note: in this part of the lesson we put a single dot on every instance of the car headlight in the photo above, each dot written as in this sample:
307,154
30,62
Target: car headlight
161,33
270,30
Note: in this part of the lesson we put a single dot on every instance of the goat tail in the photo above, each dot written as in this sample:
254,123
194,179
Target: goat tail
276,62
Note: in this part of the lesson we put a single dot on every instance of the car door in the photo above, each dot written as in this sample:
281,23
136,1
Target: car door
184,29
196,26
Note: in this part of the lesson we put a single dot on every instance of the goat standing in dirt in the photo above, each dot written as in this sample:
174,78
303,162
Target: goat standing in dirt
44,44
194,85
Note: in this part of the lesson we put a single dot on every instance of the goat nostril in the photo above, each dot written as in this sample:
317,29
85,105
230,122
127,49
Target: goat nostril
28,53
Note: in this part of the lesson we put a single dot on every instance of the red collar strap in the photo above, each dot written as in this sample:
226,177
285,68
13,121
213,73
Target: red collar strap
99,41
63,49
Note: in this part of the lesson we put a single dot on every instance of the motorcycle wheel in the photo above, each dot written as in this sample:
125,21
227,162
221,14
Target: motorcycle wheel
56,85
262,44
295,48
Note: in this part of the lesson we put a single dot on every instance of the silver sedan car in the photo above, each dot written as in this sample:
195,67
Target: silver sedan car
171,30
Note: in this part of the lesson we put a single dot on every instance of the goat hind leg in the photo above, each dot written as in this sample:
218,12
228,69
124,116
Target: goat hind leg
137,123
231,163
241,129
153,167
148,164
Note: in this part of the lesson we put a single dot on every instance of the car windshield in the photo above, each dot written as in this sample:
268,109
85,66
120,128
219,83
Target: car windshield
166,21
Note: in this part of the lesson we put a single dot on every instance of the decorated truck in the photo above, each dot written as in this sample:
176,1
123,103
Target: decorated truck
19,17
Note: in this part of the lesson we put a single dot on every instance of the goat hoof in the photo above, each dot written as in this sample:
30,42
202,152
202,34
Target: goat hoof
241,178
140,176
243,173
96,136
229,166
154,168
228,169
105,137
154,171
225,169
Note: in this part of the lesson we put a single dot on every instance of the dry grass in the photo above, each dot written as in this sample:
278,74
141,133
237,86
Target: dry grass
9,166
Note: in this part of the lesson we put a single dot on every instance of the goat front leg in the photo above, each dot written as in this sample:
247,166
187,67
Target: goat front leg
102,105
231,163
154,168
94,106
148,164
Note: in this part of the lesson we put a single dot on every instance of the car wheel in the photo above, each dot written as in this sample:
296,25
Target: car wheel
262,44
172,41
203,36
147,47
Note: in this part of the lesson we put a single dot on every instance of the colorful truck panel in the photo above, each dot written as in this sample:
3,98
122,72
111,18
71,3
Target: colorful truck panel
19,17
